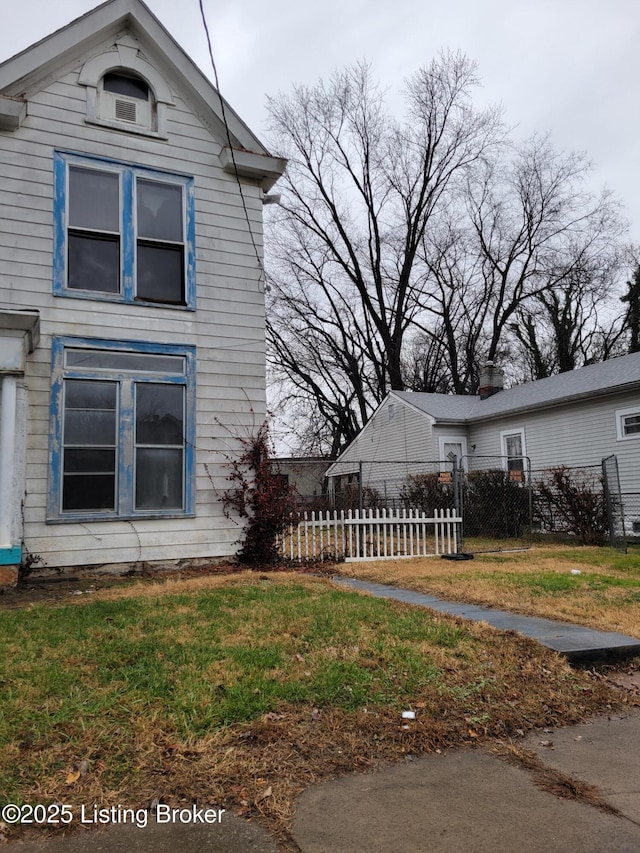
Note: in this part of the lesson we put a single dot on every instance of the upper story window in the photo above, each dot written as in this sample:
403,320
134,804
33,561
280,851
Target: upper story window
126,98
628,423
123,233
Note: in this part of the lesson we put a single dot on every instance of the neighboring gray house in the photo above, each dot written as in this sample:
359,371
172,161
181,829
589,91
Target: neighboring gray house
572,419
131,296
307,475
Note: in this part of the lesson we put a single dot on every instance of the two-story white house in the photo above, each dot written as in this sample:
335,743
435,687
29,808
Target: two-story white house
131,297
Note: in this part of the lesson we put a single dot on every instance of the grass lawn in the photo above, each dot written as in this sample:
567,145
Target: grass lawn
542,581
238,691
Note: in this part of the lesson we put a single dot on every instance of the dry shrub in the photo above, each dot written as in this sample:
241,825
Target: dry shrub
572,501
260,495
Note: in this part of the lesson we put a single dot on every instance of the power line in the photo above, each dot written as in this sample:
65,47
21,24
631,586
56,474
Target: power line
228,132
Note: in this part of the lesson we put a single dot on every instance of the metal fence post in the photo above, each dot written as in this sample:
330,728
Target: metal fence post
615,506
457,474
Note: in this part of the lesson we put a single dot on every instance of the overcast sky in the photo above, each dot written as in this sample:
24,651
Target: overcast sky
570,67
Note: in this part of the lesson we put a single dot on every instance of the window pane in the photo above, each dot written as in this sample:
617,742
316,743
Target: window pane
631,424
158,478
92,461
133,87
452,448
159,414
160,273
88,492
83,394
513,445
159,211
94,199
94,263
114,360
90,413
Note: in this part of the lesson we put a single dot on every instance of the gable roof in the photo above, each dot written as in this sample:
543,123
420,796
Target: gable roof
596,380
38,61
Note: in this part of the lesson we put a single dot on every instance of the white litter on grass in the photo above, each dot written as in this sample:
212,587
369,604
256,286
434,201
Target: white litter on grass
576,572
408,715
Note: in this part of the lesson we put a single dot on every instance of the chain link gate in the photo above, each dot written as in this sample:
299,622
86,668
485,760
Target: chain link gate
615,505
495,501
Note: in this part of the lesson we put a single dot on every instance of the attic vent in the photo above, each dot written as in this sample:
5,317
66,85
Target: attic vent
125,110
127,101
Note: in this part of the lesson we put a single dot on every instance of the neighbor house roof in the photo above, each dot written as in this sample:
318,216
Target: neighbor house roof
22,73
596,380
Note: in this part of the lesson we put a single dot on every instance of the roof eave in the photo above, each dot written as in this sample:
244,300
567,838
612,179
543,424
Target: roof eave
261,167
432,419
93,27
12,112
550,404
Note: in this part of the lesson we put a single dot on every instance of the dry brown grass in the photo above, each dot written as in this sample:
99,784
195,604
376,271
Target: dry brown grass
257,770
525,582
492,685
551,780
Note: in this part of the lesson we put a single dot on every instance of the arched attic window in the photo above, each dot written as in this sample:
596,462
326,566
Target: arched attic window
125,92
126,97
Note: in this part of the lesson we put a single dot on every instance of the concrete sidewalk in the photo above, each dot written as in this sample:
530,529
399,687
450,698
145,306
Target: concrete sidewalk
231,835
463,801
573,641
469,801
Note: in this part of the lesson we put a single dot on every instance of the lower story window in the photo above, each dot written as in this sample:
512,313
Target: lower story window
122,429
514,453
628,423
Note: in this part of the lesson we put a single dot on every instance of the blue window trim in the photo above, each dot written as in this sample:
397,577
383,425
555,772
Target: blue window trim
128,173
125,472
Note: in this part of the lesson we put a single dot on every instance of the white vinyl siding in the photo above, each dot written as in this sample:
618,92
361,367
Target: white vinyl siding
579,433
227,327
399,435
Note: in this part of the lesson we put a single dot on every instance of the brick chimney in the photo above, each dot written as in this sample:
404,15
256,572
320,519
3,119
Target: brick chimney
491,380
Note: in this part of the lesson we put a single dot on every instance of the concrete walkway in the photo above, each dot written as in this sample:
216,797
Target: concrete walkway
470,801
463,801
573,641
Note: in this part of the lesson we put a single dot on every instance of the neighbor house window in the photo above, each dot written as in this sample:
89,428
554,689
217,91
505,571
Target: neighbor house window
451,446
514,452
123,233
628,423
122,429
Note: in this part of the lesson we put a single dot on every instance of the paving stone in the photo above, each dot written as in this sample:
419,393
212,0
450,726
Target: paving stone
573,641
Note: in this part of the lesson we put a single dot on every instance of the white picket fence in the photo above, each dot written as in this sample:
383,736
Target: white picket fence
373,534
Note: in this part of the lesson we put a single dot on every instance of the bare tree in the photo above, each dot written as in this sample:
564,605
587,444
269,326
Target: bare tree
632,298
404,255
527,274
360,192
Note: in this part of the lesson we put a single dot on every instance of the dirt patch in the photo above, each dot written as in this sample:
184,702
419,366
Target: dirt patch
59,589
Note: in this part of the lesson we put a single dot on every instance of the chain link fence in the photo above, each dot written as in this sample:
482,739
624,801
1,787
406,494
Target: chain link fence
631,509
420,485
496,503
504,504
492,494
614,502
570,502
